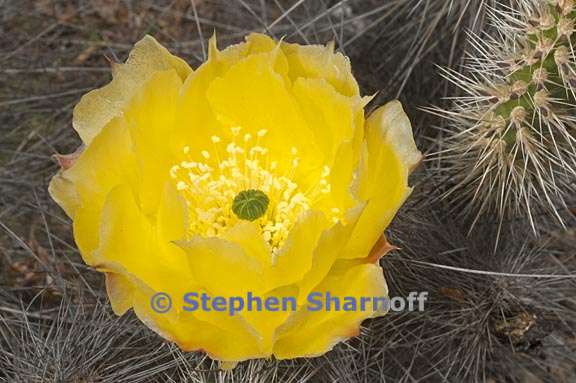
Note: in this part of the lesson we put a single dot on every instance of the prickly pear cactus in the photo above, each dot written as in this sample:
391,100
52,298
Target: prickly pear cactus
509,148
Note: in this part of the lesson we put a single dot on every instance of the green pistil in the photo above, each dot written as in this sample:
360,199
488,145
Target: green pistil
250,204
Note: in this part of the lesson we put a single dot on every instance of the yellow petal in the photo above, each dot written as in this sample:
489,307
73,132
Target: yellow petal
172,216
222,267
249,237
390,157
312,333
150,117
392,123
331,115
266,322
295,257
249,95
254,43
336,122
100,106
120,291
127,237
260,43
318,61
131,247
62,191
85,227
222,337
329,248
196,119
82,188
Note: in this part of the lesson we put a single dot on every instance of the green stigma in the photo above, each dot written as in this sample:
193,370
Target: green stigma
250,204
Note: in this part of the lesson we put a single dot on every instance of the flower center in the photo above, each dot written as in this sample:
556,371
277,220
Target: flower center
250,204
239,180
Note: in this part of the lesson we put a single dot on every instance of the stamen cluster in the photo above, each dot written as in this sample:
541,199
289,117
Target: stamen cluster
210,186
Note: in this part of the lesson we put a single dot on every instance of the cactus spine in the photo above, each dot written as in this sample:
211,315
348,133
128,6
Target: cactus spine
510,149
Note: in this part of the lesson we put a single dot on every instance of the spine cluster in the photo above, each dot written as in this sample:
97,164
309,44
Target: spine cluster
510,149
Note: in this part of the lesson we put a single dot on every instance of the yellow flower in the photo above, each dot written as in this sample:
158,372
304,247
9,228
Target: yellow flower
256,173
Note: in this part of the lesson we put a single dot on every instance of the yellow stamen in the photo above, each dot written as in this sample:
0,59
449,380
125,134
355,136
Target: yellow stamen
211,187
